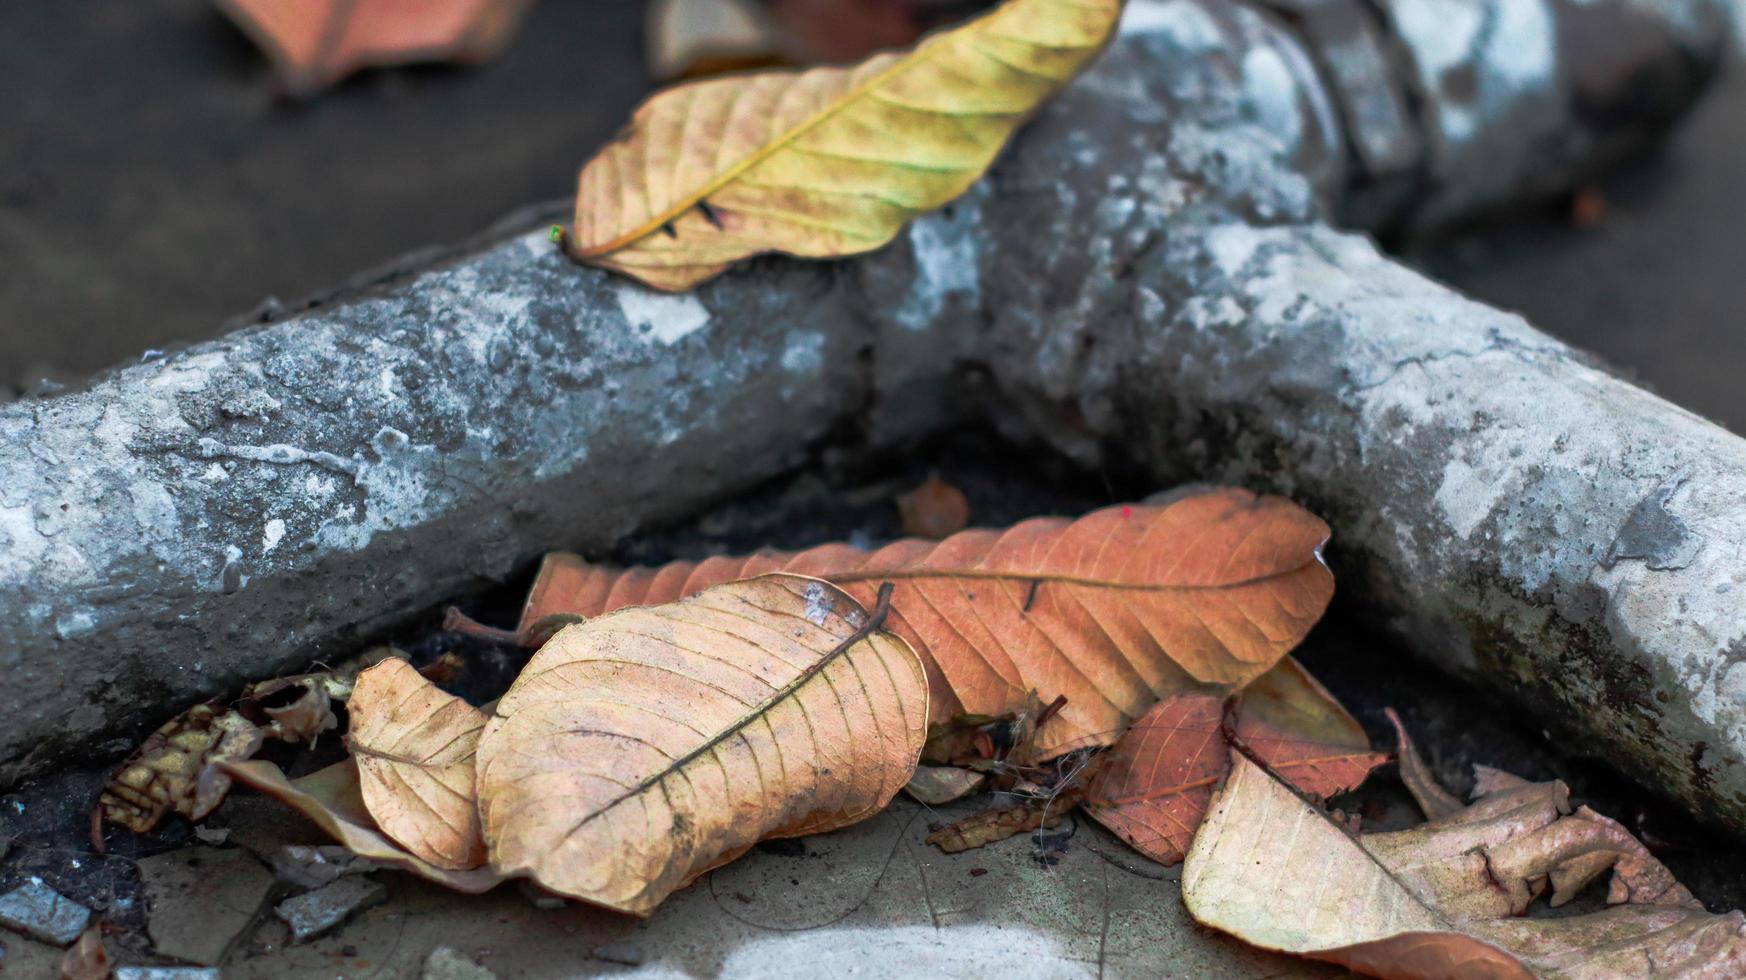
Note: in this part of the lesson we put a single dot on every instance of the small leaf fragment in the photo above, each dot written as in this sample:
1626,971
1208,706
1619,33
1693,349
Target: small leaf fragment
642,748
935,510
938,785
825,162
414,746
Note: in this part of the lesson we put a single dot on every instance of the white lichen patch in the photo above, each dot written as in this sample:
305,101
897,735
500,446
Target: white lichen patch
271,534
803,351
945,251
666,318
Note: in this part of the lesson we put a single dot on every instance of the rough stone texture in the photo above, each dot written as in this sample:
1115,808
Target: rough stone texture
445,963
42,913
866,900
200,899
1145,274
316,912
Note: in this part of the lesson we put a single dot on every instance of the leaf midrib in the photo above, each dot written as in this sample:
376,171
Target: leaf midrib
865,632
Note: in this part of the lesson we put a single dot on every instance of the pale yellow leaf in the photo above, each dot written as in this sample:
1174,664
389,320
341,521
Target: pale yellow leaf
414,746
641,748
824,162
1445,899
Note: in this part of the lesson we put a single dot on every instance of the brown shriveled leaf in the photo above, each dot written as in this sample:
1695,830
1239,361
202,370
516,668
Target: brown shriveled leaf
1041,804
1162,772
332,799
414,747
1445,899
828,161
291,709
169,771
314,43
642,748
1114,610
934,510
172,769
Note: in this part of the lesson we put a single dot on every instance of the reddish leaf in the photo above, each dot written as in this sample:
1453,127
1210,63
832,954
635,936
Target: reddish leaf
315,43
1163,771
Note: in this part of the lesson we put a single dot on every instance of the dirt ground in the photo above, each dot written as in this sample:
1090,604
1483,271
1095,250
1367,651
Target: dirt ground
152,188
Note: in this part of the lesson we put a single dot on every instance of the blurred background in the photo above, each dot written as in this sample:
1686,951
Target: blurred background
157,186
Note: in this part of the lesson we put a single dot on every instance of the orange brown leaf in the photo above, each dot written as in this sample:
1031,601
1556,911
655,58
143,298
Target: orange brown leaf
1113,610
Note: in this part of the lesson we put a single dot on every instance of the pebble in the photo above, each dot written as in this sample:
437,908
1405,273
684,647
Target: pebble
308,866
166,973
201,898
320,910
626,953
447,963
42,913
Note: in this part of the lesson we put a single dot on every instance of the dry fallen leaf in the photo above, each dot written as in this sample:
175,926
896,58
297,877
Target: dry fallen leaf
414,748
1445,899
642,748
170,770
828,161
314,43
87,959
934,510
1162,772
333,800
1113,610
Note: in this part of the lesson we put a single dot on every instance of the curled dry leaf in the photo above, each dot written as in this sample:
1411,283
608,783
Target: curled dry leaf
828,161
414,748
1113,610
1445,898
1162,772
333,800
934,510
314,43
642,748
170,770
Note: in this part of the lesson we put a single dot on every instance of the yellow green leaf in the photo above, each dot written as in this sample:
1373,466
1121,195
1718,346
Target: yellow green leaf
829,161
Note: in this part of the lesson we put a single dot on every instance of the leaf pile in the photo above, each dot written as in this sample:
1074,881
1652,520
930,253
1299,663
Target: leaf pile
174,771
1446,899
634,751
